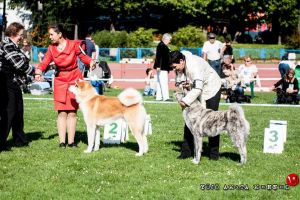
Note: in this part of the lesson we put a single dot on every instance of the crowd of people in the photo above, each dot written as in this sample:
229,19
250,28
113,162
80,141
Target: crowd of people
203,79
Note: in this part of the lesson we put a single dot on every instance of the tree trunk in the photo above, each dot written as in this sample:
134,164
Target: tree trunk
76,32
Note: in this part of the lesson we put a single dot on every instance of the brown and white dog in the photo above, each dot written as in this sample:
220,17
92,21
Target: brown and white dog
99,110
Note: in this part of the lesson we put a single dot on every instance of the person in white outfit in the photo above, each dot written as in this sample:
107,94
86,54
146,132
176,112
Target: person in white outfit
204,85
212,52
163,68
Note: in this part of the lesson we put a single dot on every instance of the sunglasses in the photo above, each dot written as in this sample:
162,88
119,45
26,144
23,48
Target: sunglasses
212,38
247,60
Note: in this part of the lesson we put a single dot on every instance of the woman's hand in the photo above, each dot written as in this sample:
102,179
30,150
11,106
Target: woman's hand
182,104
289,90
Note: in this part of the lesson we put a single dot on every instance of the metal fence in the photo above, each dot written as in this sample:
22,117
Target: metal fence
116,54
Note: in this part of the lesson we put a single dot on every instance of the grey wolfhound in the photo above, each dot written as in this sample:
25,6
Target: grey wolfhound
206,122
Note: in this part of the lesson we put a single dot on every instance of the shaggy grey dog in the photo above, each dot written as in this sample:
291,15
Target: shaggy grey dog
206,122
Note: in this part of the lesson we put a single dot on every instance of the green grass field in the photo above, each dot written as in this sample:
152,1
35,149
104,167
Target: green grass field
43,171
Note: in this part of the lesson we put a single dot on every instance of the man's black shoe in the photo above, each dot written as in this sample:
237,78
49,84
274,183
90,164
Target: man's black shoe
5,148
184,156
214,158
21,144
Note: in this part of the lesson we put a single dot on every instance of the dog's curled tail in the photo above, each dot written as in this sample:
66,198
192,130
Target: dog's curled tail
238,109
130,97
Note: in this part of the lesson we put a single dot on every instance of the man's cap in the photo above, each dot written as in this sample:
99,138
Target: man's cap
227,56
211,35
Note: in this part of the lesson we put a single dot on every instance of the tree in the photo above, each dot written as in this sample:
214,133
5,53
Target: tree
164,15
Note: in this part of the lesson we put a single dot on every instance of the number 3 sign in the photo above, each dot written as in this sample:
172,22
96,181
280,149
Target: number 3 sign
273,141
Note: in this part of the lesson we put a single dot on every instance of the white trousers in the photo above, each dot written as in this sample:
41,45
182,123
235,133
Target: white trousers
162,92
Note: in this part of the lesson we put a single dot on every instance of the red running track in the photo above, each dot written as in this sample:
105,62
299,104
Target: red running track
138,71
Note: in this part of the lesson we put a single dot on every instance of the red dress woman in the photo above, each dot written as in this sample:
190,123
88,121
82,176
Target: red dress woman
64,53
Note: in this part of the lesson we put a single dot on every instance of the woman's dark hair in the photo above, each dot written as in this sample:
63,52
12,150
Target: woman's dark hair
176,56
148,70
13,29
288,72
58,28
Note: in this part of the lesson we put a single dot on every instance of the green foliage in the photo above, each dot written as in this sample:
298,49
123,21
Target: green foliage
294,41
283,14
189,36
107,39
140,38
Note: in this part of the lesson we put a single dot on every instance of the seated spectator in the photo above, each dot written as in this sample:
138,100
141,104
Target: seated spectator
287,62
228,74
247,72
287,88
232,90
151,83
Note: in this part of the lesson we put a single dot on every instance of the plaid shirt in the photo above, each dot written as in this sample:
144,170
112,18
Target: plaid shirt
13,60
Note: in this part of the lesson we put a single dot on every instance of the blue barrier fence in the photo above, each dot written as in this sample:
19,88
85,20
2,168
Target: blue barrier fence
116,54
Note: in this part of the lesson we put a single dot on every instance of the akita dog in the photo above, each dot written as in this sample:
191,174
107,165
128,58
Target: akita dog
99,110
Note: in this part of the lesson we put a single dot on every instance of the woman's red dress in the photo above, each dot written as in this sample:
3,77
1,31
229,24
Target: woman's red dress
66,62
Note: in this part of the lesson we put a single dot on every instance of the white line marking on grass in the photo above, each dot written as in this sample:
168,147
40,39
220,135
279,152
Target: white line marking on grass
175,102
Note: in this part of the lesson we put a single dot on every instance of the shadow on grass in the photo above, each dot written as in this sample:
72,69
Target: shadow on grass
31,136
231,156
82,137
34,136
227,155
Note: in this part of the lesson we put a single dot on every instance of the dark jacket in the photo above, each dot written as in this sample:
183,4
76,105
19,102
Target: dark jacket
285,84
13,62
162,59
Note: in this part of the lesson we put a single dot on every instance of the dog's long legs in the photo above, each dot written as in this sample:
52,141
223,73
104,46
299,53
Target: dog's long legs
238,139
243,152
97,139
136,122
140,140
198,148
146,147
91,131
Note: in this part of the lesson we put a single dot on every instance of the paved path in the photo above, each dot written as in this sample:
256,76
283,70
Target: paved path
137,71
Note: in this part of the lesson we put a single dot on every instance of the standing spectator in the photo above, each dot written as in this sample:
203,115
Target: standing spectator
14,65
151,83
227,50
89,50
64,53
288,61
212,52
96,54
162,67
203,84
27,48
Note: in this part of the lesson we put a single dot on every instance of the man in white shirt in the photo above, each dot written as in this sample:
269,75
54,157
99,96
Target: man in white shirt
204,85
211,52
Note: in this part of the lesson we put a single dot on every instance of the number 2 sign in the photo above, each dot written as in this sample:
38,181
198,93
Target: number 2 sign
115,132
